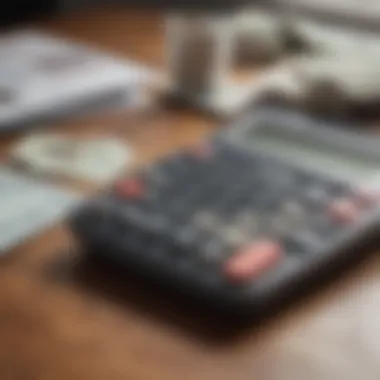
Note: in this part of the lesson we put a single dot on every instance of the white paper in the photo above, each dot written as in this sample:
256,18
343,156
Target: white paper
39,87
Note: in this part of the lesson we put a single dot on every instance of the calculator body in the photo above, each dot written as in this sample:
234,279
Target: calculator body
259,211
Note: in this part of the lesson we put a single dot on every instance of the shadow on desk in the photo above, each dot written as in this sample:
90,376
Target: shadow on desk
97,278
108,281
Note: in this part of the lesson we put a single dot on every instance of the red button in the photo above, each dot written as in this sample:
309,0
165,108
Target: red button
345,210
132,188
253,260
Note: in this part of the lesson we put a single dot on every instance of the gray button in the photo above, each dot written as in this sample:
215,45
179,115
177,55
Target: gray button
187,236
233,236
317,195
248,223
207,221
213,251
293,210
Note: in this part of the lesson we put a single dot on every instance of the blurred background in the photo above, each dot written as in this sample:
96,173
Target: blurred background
61,320
22,10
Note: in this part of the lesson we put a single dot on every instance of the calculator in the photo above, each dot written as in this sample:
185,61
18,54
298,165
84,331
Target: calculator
255,212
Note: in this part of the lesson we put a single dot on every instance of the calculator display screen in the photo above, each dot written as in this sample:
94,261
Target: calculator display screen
351,166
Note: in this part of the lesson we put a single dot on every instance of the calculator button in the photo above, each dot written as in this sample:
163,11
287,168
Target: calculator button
293,209
247,222
308,240
292,215
344,211
316,195
187,235
280,225
206,221
213,251
233,236
252,261
130,188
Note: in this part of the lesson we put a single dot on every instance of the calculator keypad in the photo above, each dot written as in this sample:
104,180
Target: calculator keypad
235,213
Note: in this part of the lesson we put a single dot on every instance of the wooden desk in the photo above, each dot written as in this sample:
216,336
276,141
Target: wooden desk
60,323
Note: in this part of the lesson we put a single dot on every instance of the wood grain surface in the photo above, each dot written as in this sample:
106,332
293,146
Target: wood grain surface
64,319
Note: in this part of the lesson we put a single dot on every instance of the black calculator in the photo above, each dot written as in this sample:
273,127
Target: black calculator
257,211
